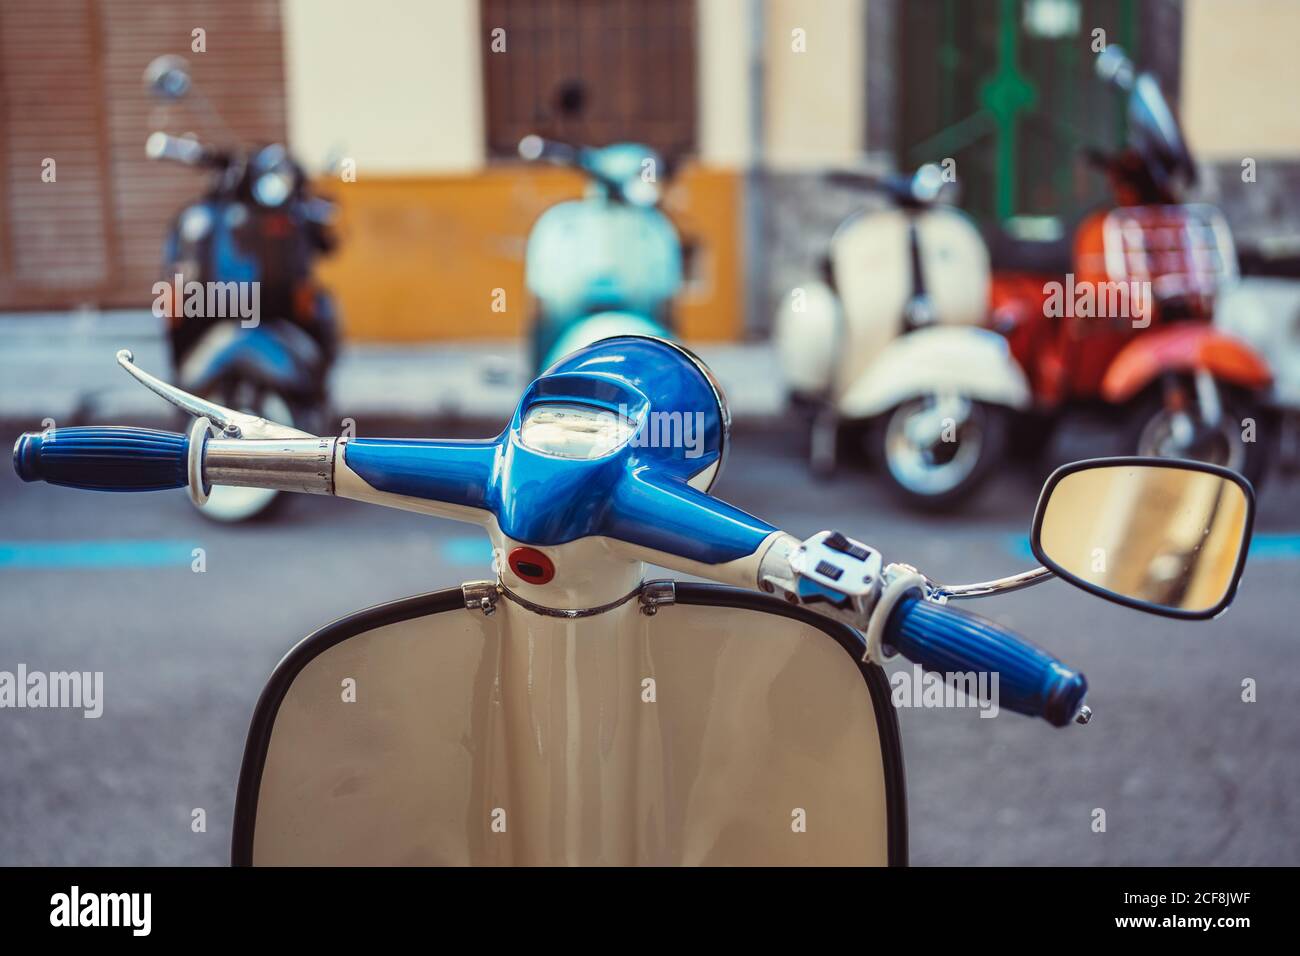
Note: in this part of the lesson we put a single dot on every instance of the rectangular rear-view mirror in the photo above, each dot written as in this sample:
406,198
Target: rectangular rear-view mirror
1157,534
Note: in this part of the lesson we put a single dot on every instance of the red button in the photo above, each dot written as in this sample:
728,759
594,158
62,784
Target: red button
531,565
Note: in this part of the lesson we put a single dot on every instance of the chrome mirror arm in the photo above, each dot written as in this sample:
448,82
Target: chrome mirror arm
942,593
232,424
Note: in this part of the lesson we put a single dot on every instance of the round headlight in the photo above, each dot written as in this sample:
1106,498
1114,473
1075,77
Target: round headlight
273,188
274,176
571,430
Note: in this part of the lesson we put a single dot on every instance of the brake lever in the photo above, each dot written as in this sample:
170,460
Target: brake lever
230,423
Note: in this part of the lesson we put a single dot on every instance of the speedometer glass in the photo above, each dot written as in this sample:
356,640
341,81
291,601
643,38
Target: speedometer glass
574,431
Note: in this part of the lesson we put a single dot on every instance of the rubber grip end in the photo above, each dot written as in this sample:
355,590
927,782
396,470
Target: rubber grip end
1065,698
27,456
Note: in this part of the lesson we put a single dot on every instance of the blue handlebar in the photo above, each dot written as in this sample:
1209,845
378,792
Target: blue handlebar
103,458
945,640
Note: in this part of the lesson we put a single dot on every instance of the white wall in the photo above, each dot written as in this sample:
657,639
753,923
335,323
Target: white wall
816,100
1240,77
394,84
723,39
397,85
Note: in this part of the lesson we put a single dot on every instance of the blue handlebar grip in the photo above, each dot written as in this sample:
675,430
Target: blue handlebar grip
945,640
103,458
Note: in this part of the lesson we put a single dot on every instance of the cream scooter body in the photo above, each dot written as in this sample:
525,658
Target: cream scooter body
1264,312
829,340
698,735
890,343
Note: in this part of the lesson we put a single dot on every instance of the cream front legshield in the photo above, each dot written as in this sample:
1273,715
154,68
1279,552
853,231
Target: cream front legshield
727,729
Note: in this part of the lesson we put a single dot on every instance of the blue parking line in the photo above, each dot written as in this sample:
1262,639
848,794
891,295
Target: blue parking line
1275,547
463,550
467,549
1018,545
1266,546
27,555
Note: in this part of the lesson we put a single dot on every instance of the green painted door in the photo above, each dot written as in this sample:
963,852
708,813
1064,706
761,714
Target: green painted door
1006,89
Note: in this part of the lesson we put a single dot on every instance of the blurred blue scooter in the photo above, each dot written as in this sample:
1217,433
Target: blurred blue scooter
249,325
607,264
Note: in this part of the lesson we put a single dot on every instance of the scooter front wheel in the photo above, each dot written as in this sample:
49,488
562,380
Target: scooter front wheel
935,451
1242,438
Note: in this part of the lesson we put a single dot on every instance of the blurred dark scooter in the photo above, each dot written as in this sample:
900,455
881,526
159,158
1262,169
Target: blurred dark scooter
249,326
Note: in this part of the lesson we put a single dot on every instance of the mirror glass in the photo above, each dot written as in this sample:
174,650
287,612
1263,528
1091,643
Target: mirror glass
1163,537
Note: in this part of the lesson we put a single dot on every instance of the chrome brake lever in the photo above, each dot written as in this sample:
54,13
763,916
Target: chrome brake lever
230,423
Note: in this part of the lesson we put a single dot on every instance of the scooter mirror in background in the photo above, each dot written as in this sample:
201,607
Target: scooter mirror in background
168,77
531,148
927,183
1159,535
1114,66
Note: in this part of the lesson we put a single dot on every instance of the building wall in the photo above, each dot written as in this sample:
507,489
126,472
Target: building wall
423,256
71,94
1240,74
726,128
815,100
430,224
430,227
395,85
1239,79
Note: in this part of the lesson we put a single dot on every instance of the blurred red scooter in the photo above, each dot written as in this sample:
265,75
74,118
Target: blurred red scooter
1129,327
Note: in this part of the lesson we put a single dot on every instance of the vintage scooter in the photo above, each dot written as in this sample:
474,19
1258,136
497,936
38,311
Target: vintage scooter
1124,327
607,264
889,344
251,240
1264,311
570,711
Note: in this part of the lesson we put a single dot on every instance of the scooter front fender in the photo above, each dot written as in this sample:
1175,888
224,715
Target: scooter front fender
1183,348
599,325
727,728
974,362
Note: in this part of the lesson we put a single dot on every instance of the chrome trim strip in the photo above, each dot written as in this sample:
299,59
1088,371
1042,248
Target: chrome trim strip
719,396
570,613
198,487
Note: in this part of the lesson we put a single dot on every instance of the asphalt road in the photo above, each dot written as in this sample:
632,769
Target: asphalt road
1186,772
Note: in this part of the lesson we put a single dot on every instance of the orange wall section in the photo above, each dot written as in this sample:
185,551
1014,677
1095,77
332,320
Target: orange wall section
419,257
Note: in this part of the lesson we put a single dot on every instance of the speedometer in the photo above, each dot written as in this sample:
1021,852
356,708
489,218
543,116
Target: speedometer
581,432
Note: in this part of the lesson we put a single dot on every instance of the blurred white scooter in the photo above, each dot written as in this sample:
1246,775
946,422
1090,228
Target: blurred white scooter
890,338
1265,313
